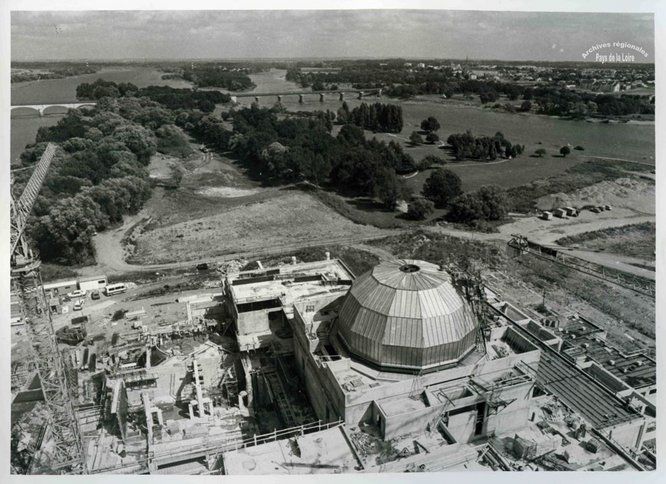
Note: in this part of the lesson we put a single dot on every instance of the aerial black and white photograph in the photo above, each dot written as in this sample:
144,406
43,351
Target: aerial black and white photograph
330,241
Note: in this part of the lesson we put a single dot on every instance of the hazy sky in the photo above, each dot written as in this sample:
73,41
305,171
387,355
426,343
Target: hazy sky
95,35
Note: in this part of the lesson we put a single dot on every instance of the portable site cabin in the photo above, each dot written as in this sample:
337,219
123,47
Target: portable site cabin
93,283
546,215
571,212
60,287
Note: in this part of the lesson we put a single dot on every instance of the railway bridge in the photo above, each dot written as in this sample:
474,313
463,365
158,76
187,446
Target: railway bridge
340,93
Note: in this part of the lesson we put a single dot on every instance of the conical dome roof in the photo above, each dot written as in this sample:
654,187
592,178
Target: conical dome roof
406,315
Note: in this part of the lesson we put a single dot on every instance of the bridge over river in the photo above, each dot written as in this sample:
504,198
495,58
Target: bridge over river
42,108
340,93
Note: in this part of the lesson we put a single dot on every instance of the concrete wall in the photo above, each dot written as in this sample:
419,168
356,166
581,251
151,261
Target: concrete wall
630,434
514,416
462,425
408,423
323,391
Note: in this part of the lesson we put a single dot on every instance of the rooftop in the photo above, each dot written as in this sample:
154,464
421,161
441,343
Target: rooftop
324,452
290,282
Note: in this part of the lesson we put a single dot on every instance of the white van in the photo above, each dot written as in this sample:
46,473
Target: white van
112,289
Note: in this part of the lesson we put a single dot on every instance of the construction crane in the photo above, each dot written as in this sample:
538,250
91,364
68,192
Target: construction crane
65,448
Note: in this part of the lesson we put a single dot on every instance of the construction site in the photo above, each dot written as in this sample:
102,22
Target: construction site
299,367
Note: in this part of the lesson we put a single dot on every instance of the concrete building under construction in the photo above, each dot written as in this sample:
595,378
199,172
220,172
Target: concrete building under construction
304,368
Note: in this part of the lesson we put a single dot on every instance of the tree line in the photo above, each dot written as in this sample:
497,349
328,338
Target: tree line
216,76
377,117
467,146
286,149
168,96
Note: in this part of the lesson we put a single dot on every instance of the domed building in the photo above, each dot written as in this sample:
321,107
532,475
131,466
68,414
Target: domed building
406,316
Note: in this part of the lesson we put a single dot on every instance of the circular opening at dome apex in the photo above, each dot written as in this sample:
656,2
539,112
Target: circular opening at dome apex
409,268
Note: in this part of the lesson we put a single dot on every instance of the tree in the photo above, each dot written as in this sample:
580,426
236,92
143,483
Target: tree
487,203
388,188
415,138
526,106
420,208
139,140
428,161
343,113
494,202
565,150
540,152
432,138
442,186
430,124
352,135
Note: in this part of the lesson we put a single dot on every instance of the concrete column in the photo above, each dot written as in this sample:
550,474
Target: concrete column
191,409
149,416
160,418
197,386
321,97
148,353
279,98
300,98
256,99
342,96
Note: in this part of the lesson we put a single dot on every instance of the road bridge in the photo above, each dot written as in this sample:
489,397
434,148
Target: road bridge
340,93
41,108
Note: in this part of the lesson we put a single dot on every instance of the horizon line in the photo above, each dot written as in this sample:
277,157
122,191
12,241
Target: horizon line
332,58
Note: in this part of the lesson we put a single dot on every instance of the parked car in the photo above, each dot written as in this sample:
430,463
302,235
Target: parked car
78,305
75,294
202,267
94,295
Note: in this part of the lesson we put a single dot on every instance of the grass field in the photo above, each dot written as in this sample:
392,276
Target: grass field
505,173
631,240
282,219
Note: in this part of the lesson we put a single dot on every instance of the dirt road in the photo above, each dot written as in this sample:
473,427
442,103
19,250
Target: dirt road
110,259
110,253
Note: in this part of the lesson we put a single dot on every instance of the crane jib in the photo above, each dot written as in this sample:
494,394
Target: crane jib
23,206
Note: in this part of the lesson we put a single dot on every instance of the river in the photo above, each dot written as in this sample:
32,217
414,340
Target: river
25,123
621,140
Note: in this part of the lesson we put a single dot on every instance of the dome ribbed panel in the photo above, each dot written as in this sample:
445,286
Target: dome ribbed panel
407,318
